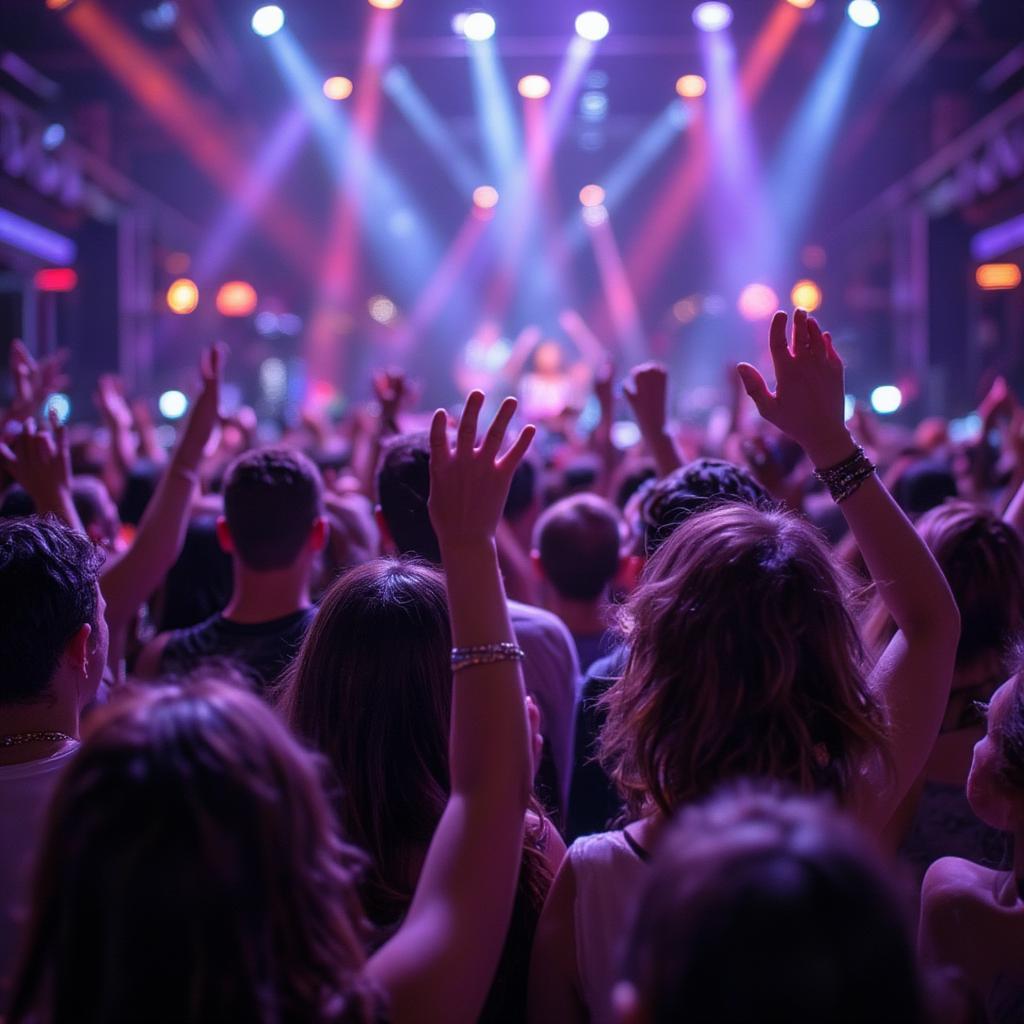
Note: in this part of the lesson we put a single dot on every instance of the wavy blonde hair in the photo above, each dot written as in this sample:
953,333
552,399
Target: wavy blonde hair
744,661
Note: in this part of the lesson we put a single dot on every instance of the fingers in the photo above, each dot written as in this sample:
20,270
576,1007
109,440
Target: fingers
801,333
816,339
830,350
466,437
508,462
496,434
439,452
755,386
778,344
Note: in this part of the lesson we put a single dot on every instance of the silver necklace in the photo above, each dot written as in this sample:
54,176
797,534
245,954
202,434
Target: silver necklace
50,736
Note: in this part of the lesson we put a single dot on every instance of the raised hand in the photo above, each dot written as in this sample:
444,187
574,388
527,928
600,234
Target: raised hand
646,389
41,463
809,398
34,380
390,387
205,412
469,484
112,403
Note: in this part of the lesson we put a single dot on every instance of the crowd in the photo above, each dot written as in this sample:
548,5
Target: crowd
429,718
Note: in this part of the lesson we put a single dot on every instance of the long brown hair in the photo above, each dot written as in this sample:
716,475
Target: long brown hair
192,871
744,660
371,689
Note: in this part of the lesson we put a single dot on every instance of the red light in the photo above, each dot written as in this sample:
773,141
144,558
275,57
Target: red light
236,298
56,279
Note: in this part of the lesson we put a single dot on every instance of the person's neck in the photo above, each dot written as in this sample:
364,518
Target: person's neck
265,596
57,715
582,618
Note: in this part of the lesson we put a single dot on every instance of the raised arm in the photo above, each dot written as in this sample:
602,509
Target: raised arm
646,388
41,463
440,964
161,534
912,678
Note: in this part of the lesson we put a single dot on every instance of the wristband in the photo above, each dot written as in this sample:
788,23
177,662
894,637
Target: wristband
485,654
844,479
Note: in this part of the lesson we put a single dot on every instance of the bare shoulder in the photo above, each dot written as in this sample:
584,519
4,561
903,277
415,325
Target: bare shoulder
954,882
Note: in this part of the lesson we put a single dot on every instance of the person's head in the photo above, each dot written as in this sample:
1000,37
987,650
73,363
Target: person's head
547,357
273,510
666,503
192,871
97,510
198,585
982,558
765,907
995,786
371,688
744,660
923,485
53,634
403,488
577,547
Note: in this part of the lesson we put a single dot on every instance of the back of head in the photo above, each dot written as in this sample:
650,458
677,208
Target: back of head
48,592
96,509
191,871
578,542
668,502
272,498
372,689
199,583
766,908
403,488
925,484
744,661
982,557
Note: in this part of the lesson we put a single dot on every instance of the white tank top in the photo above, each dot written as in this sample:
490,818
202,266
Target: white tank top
609,875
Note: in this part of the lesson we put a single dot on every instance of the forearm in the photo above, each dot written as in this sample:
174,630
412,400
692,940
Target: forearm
664,452
908,579
490,735
59,503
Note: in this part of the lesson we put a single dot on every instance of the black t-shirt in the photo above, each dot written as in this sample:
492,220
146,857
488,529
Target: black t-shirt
261,650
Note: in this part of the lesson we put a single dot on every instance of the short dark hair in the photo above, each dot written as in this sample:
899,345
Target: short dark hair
48,576
272,496
403,488
668,502
579,543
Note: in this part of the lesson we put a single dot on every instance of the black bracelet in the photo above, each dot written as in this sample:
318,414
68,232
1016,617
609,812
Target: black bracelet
845,478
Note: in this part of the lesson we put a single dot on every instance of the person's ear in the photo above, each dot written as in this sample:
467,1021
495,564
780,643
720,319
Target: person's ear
626,1004
320,533
224,538
538,567
628,576
387,542
77,649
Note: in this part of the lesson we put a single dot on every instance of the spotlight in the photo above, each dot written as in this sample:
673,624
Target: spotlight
687,310
59,404
267,20
864,13
595,216
172,405
53,136
997,276
382,309
886,399
594,106
806,295
691,86
478,26
712,16
459,23
160,18
236,298
592,25
386,5
534,87
757,302
485,197
591,195
802,4
338,87
183,296
849,407
273,379
57,5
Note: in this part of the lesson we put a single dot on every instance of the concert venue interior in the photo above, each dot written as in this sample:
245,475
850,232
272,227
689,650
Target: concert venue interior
512,511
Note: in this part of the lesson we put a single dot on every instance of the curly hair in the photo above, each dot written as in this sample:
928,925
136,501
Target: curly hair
744,660
192,871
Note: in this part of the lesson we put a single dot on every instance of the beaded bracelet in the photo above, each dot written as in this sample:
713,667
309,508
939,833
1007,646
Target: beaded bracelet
843,479
485,654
